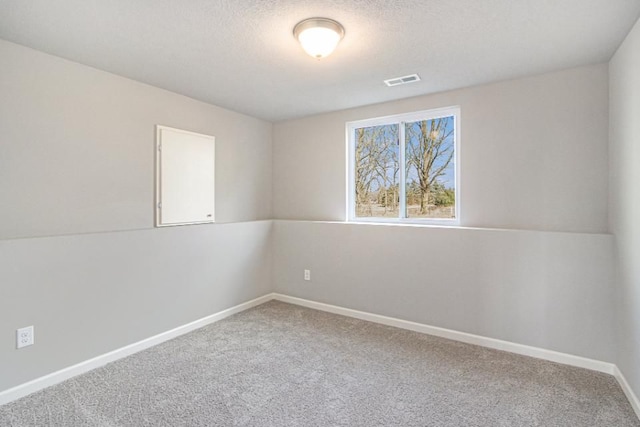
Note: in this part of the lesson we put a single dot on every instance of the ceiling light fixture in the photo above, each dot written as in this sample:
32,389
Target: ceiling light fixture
318,36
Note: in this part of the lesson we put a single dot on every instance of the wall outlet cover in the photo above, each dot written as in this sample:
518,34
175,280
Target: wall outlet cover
24,337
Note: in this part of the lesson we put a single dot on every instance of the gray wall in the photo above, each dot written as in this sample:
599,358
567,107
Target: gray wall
92,293
625,199
533,157
533,154
545,289
77,163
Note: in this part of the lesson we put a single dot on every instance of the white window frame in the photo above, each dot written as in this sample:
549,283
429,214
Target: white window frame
400,119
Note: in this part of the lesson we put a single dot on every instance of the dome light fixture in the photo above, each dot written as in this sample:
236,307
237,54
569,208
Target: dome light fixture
318,36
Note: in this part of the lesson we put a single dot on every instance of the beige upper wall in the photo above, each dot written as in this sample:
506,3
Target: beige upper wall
77,149
533,154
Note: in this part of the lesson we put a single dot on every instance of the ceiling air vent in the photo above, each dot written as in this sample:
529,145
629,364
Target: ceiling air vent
402,80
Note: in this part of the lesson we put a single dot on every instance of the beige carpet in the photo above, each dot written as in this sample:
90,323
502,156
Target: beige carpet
283,365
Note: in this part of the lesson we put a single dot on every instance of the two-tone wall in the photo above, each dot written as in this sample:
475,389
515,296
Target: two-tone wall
532,263
77,165
624,214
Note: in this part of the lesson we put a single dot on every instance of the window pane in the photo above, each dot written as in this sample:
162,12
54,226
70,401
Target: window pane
430,168
377,172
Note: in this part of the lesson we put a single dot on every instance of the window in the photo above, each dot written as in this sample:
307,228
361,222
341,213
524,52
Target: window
403,168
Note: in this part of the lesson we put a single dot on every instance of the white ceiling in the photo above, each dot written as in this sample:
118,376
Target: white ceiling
241,54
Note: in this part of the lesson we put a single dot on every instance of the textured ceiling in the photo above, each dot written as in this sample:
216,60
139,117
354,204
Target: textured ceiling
241,54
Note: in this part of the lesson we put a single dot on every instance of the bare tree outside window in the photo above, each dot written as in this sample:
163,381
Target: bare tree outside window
404,169
430,178
377,171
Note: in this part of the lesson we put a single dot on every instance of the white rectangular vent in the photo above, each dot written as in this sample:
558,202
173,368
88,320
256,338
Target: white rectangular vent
402,80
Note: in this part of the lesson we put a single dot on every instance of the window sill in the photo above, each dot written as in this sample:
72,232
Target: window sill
407,222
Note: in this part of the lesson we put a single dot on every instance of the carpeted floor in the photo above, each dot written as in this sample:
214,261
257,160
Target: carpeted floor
283,365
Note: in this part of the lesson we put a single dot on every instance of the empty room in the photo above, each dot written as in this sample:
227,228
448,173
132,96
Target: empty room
320,213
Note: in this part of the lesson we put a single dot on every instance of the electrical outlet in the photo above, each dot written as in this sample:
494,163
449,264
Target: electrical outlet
307,275
24,337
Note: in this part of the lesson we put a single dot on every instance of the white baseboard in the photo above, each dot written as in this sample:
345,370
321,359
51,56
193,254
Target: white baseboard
82,367
539,353
553,356
628,391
